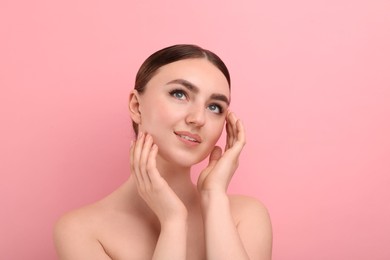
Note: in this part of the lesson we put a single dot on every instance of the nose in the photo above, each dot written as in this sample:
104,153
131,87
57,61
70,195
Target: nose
196,116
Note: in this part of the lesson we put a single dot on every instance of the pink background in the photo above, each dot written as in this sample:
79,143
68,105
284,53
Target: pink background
311,82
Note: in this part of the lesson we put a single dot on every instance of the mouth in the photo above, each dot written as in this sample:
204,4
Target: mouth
189,136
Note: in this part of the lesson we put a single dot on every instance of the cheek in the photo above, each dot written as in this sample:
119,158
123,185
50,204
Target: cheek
155,115
216,129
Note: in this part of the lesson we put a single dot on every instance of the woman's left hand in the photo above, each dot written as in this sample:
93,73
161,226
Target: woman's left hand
217,175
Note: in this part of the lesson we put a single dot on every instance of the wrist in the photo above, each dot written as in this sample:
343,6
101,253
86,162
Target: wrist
176,220
214,197
213,193
174,224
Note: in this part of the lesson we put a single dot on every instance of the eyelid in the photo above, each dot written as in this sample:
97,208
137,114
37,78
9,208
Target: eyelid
178,89
220,107
175,90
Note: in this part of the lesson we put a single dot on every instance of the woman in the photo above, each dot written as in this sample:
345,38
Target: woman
179,107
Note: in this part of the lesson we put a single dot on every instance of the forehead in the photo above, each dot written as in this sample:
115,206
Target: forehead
200,72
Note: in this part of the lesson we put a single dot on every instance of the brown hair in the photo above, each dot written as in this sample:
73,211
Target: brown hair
171,54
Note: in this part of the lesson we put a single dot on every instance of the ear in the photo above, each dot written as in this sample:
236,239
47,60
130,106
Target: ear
134,106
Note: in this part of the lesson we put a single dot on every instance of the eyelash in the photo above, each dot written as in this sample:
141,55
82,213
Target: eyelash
220,108
174,92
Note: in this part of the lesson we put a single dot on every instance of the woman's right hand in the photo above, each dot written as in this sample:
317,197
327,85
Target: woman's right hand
151,186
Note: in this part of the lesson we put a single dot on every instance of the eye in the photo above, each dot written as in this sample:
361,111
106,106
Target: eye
215,108
178,93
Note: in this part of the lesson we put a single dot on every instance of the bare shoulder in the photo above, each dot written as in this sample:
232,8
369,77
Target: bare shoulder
80,220
242,206
75,234
253,225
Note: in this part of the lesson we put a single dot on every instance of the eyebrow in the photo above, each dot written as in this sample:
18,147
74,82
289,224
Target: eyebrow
191,87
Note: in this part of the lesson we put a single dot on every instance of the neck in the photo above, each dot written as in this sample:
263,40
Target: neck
177,177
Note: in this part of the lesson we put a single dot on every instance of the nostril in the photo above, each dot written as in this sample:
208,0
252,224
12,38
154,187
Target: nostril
196,117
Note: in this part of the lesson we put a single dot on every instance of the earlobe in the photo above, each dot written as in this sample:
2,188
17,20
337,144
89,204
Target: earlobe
134,106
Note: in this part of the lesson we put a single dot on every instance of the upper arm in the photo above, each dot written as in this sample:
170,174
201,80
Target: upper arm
254,228
73,241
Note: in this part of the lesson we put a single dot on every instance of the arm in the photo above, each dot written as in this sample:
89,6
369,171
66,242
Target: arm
250,238
163,201
171,243
221,235
246,236
254,226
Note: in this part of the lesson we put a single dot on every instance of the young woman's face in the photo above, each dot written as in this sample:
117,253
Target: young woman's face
184,108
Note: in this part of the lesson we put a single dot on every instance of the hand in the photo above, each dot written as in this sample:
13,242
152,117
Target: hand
151,186
217,175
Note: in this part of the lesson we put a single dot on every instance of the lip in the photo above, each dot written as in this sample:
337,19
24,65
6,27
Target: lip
196,137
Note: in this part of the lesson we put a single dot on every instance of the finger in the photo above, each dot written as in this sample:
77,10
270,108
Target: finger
136,158
241,132
227,135
153,173
131,154
132,145
230,123
233,120
144,159
229,128
215,155
241,138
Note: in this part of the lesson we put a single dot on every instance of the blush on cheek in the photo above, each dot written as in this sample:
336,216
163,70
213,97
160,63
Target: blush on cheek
220,128
155,122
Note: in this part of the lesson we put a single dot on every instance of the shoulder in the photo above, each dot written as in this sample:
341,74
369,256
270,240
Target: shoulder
86,220
242,206
249,212
76,220
253,224
75,233
75,223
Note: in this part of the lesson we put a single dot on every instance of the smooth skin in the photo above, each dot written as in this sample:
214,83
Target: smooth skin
158,213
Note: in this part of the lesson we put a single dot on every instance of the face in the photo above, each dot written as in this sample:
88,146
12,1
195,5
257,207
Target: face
184,108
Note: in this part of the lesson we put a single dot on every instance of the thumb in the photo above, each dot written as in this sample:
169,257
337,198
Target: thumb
213,159
215,155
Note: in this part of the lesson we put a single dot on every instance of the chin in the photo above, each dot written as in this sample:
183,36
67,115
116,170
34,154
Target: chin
182,159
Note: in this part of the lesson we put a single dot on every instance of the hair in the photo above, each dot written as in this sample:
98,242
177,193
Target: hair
171,54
